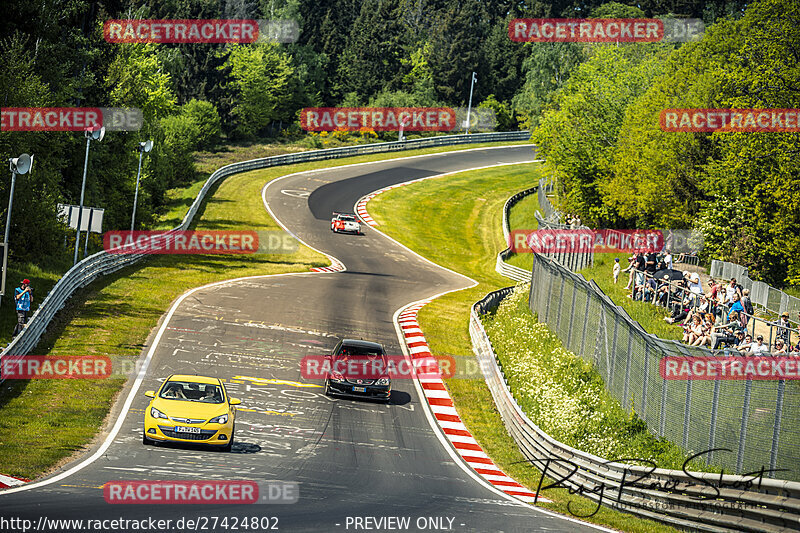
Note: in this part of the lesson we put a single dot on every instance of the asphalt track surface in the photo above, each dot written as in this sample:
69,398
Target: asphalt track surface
352,458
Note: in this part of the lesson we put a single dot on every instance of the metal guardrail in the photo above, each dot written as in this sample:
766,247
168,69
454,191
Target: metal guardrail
103,263
769,298
510,271
700,501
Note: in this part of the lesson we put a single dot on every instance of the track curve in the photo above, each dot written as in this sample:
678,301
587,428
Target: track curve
351,458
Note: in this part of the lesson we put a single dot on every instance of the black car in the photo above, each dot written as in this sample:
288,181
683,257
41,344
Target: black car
358,369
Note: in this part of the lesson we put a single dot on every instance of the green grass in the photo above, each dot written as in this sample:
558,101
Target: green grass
467,240
45,422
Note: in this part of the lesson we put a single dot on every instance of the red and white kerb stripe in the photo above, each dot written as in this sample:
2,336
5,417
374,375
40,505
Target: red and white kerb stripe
446,415
10,481
336,266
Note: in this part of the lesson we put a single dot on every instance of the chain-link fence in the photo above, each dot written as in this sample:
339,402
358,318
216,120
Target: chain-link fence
552,220
756,421
773,300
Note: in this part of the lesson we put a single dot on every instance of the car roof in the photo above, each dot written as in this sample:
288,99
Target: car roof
194,379
361,344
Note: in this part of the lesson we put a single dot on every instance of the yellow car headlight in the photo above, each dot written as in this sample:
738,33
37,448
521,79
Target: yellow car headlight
155,413
221,419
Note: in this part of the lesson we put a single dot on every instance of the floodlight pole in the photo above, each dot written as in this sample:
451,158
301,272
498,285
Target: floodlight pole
469,107
8,227
80,209
142,147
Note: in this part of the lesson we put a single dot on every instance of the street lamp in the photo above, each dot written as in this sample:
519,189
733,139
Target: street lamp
469,107
142,148
17,165
91,135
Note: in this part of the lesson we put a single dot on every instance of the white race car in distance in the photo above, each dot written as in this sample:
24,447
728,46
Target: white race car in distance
345,223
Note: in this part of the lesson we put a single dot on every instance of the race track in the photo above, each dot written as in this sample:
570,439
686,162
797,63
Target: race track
351,458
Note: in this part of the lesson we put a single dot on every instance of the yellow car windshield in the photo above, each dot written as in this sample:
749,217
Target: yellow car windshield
192,392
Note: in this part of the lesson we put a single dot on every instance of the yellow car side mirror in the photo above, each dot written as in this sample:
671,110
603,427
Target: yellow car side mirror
150,394
235,401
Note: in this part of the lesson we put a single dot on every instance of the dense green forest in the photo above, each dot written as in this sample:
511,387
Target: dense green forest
594,108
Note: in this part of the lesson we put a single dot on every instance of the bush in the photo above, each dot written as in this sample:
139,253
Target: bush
205,116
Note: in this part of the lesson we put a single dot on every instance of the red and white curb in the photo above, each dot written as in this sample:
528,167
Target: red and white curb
336,266
10,481
445,412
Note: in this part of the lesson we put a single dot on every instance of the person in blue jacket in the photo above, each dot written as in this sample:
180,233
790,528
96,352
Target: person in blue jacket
23,295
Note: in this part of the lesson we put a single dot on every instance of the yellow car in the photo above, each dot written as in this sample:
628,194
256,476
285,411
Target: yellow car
193,409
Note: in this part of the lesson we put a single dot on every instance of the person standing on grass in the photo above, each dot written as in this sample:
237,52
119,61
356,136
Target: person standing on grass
617,269
23,296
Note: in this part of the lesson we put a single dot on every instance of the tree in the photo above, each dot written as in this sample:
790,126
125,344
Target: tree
259,84
579,133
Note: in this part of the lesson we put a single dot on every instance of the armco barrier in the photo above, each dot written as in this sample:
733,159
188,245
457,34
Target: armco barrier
511,271
102,263
699,501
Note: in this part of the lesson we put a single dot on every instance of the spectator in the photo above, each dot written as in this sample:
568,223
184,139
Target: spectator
650,262
744,342
737,307
784,327
668,260
617,269
780,348
694,331
630,268
758,348
641,262
23,296
726,333
663,292
748,306
680,310
715,298
731,290
702,306
708,327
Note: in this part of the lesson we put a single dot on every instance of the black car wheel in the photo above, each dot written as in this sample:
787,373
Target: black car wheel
145,440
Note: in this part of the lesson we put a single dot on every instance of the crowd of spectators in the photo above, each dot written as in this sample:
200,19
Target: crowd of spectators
717,317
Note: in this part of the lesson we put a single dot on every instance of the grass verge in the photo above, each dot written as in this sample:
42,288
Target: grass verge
467,240
45,422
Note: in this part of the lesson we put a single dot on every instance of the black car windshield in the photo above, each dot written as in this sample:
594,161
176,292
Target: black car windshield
192,392
348,218
359,351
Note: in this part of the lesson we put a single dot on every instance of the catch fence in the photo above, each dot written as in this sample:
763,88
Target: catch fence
552,220
755,420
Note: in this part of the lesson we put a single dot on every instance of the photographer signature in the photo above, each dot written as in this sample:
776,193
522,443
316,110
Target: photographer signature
639,479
